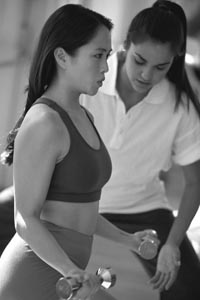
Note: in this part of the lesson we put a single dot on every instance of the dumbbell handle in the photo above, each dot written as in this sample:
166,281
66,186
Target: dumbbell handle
65,287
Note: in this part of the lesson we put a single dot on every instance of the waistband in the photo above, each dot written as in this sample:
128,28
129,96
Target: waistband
72,197
57,228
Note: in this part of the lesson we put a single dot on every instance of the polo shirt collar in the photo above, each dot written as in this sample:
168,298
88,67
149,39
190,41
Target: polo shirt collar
156,95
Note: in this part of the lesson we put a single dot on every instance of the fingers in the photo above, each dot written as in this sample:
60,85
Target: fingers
147,238
151,232
83,284
163,281
147,232
89,287
93,283
151,235
171,280
168,264
160,281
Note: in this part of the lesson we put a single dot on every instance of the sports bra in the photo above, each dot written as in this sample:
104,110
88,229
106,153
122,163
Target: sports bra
81,174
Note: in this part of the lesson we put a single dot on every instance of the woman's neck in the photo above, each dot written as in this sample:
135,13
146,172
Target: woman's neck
68,101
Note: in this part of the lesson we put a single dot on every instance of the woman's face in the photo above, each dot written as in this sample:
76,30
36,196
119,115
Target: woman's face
86,70
147,63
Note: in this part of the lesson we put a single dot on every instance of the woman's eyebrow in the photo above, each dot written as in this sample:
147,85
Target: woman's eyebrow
160,64
104,50
140,56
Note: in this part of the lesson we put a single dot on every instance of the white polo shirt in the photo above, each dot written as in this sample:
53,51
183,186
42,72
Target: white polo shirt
141,143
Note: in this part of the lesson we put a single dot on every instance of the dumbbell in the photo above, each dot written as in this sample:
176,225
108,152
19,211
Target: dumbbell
148,248
66,287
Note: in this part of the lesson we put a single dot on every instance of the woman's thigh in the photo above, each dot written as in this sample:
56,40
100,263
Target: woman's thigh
24,276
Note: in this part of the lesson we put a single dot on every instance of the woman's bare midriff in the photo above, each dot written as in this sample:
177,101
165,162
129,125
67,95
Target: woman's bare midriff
81,217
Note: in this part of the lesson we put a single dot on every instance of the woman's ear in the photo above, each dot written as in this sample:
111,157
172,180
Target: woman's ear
60,57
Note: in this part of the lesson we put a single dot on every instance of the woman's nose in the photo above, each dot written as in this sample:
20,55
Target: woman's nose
147,74
105,66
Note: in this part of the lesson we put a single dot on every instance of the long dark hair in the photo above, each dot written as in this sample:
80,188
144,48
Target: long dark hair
165,22
69,27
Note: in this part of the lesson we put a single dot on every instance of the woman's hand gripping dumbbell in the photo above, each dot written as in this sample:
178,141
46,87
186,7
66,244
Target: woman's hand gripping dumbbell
147,243
66,287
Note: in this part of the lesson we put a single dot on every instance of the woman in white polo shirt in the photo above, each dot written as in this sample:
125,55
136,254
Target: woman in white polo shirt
149,118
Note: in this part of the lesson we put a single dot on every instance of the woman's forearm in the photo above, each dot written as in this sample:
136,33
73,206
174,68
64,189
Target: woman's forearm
43,243
187,210
107,230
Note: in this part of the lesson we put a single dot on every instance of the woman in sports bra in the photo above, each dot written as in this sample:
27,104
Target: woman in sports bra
60,163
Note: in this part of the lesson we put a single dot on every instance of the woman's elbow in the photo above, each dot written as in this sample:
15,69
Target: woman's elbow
20,225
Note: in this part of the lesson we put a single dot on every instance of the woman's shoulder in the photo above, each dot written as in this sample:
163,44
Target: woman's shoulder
44,118
42,125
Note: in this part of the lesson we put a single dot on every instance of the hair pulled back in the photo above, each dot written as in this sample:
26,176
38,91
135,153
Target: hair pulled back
69,27
165,22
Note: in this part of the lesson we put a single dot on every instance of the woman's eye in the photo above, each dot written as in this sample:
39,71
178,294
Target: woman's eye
98,55
139,62
160,68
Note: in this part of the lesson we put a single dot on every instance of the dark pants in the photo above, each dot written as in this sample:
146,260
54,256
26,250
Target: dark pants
187,284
